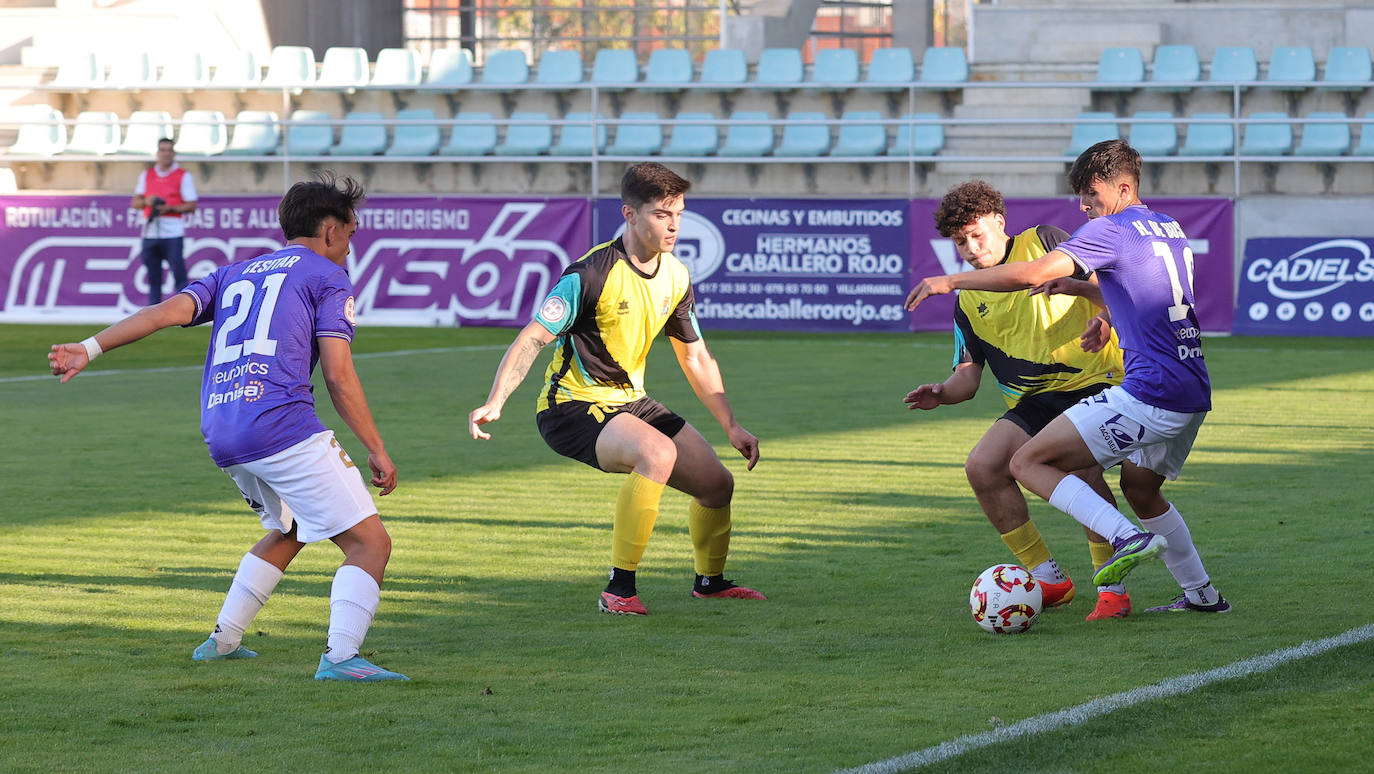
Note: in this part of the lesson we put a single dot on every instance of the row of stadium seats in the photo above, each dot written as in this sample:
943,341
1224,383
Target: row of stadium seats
1270,134
347,68
1347,68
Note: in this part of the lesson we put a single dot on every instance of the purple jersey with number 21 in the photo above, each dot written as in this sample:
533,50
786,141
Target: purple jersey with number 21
256,398
1145,269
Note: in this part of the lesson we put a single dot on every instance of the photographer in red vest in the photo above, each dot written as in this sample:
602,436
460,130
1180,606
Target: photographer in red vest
164,192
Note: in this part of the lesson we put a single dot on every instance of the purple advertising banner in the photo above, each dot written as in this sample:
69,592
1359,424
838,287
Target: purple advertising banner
791,264
415,260
1307,287
1207,222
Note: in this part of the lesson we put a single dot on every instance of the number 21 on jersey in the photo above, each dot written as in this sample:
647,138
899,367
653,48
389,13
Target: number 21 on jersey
243,297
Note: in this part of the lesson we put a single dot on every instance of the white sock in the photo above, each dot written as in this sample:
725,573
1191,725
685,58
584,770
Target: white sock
1179,556
252,585
1048,570
1206,595
1076,498
353,601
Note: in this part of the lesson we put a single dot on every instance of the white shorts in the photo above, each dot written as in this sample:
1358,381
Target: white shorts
313,485
1117,426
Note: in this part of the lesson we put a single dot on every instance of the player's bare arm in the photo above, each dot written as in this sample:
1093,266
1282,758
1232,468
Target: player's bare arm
515,365
703,373
346,391
1004,278
959,387
1068,286
68,360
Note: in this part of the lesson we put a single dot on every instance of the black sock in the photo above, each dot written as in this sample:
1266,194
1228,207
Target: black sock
622,583
711,584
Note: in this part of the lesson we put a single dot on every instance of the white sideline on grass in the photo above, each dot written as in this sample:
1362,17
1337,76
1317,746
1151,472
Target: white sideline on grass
1072,716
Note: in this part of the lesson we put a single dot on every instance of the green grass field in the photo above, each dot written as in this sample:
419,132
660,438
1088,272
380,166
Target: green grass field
121,536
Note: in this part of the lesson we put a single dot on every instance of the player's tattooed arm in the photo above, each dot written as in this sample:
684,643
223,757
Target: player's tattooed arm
527,349
514,366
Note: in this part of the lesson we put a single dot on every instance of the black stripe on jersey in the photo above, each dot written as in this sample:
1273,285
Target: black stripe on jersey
1011,372
1051,236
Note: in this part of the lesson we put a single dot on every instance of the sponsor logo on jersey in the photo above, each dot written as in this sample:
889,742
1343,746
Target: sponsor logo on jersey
1121,433
554,309
350,312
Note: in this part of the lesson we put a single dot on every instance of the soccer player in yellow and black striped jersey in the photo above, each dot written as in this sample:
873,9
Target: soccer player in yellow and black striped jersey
1047,352
604,313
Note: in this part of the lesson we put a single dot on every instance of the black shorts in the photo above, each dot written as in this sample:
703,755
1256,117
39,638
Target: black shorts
571,428
1034,413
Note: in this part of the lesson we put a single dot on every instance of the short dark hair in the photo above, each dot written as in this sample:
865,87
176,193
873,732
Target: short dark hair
648,181
167,140
309,203
1106,161
966,203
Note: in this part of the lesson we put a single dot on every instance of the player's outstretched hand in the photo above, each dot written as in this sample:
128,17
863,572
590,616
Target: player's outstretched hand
925,397
67,360
480,416
930,286
746,444
1096,336
383,472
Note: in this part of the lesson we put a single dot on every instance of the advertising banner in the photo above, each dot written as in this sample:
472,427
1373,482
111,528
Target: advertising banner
1307,287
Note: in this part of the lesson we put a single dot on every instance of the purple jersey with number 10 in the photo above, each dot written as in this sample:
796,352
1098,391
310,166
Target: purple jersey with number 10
256,398
1145,269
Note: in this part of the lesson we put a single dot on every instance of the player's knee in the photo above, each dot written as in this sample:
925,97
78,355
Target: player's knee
983,472
658,457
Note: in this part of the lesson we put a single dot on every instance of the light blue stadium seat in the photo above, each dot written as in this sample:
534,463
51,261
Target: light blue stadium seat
80,70
1154,139
477,138
256,133
921,135
860,139
669,69
184,70
803,139
557,68
748,139
1176,64
944,64
780,69
1324,139
415,139
202,133
449,67
145,128
291,67
95,133
506,67
1348,64
1123,66
615,69
530,136
1365,145
890,69
1233,63
362,134
314,139
1292,63
41,134
698,139
638,139
575,139
130,69
343,67
1272,138
1209,139
396,68
724,69
1087,135
837,68
236,70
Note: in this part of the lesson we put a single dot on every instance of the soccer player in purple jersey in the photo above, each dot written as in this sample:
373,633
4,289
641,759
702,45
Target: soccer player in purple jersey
1144,269
275,317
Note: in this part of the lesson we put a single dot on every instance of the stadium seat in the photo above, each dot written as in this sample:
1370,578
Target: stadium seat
558,68
202,133
748,139
41,134
256,133
575,139
476,137
415,139
669,69
145,128
1292,64
944,64
1365,145
803,139
343,67
697,139
95,133
860,139
837,68
1176,64
449,67
1272,138
530,136
890,69
80,71
615,69
1124,66
724,69
506,67
1231,64
1216,139
780,69
130,69
1087,135
184,70
291,67
1324,139
312,139
1348,64
362,134
396,68
921,135
1154,139
641,139
236,70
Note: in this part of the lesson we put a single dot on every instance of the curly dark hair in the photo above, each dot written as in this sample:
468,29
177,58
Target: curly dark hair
1106,161
306,205
648,181
966,203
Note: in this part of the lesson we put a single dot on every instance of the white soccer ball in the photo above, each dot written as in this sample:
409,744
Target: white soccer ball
1005,599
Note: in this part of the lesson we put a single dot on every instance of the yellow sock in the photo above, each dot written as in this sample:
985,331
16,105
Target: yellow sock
710,529
1025,542
1101,553
636,510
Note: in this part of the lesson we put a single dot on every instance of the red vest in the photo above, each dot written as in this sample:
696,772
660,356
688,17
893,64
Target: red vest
168,187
